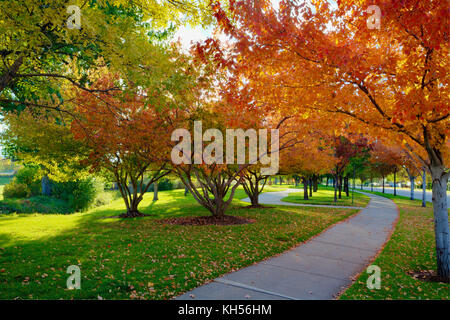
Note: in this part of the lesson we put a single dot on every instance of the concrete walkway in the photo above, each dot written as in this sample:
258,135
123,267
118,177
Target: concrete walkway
274,198
317,269
407,193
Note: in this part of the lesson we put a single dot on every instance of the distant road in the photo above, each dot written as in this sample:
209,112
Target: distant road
407,193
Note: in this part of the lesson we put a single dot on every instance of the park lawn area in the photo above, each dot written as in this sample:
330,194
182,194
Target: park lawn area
325,196
142,258
5,180
411,248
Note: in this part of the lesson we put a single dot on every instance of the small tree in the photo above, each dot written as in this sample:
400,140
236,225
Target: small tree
128,138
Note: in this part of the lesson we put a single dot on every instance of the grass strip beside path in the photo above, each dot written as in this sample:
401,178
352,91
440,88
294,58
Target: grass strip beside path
142,258
411,248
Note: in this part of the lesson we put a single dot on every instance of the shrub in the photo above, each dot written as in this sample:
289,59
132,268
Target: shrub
28,175
163,185
105,197
79,194
15,189
39,204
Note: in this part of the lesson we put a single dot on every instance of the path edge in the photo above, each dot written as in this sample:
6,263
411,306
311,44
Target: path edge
357,275
285,251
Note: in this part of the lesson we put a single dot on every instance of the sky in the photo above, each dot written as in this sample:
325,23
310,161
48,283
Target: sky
188,35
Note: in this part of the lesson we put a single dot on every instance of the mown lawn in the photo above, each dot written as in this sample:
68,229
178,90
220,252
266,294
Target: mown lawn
325,196
411,248
141,258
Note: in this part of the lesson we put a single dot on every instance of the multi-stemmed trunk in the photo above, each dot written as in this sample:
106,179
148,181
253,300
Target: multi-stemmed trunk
253,187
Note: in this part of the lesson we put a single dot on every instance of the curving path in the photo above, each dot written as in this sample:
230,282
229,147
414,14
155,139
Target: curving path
274,198
317,269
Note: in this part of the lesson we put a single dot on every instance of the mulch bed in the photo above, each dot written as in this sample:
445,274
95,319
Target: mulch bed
207,220
428,275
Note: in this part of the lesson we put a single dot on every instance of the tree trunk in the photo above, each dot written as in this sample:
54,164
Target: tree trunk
371,184
155,191
254,199
347,187
46,186
395,183
335,188
424,190
340,186
316,183
327,181
383,184
412,188
441,227
310,187
305,189
186,191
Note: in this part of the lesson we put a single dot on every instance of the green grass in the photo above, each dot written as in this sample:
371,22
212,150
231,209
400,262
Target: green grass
325,196
411,248
141,258
5,180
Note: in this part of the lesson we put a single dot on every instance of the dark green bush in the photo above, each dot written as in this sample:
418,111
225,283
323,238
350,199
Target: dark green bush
163,185
79,194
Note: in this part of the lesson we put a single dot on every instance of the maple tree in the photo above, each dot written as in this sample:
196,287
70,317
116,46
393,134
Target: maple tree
128,137
391,81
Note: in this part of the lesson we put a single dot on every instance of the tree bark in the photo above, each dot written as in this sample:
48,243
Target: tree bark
186,191
155,191
305,189
340,186
310,187
424,188
46,186
412,188
347,187
383,184
395,183
441,227
371,184
335,188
